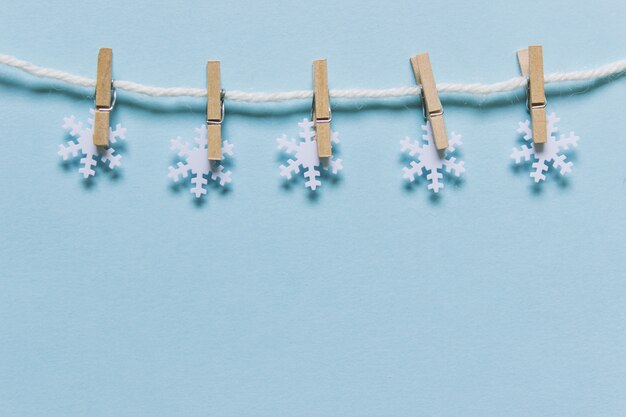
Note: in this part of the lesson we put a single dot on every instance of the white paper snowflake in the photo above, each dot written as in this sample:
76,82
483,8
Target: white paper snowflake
83,143
305,152
547,152
197,161
431,160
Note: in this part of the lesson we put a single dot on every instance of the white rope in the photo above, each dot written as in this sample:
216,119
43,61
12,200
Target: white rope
604,71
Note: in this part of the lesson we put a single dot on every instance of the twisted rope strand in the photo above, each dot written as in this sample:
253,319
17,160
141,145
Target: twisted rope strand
604,71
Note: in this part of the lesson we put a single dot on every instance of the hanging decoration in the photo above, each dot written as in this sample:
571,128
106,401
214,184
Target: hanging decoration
306,156
434,154
540,130
544,153
197,163
82,143
93,140
313,152
430,160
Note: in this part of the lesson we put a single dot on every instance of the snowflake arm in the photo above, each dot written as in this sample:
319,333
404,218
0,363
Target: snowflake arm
202,135
75,128
110,157
289,146
552,121
312,174
434,176
415,170
87,162
181,148
292,167
560,164
218,173
524,128
199,182
565,141
540,167
524,152
118,133
227,148
70,148
307,133
412,147
334,165
454,141
452,166
181,170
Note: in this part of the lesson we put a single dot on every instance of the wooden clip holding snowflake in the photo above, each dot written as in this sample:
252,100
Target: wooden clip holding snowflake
198,164
83,143
431,160
306,156
547,152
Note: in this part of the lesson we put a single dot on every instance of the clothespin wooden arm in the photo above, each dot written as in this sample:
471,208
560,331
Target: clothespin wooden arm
531,66
101,120
433,110
214,111
321,109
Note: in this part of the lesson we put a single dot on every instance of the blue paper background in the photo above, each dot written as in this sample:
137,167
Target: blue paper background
125,298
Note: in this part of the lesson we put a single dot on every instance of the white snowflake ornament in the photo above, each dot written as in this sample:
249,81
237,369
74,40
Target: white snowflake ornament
83,143
197,162
306,156
431,160
545,153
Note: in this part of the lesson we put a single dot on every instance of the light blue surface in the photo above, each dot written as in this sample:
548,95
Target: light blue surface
128,299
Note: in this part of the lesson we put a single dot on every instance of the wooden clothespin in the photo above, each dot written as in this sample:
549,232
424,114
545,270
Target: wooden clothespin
104,101
531,65
433,110
321,113
214,110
